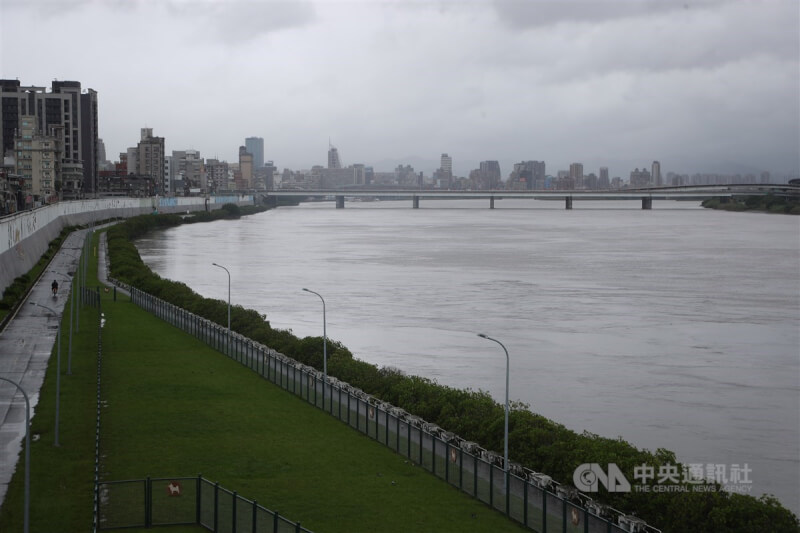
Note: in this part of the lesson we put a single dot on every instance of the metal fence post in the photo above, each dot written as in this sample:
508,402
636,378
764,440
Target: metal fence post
275,522
447,462
255,516
233,513
419,433
198,498
544,509
491,485
460,468
147,503
475,477
216,506
408,438
525,505
433,455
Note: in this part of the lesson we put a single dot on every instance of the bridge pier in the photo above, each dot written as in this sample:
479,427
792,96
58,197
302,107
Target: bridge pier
340,202
568,202
415,201
491,202
647,202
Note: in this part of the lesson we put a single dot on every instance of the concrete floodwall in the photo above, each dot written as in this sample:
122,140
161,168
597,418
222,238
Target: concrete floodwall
25,236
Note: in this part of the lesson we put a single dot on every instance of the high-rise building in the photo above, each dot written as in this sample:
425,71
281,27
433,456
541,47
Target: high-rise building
38,160
539,175
245,168
576,174
603,181
333,157
186,167
217,174
67,108
487,176
444,174
655,175
151,160
255,146
447,166
640,178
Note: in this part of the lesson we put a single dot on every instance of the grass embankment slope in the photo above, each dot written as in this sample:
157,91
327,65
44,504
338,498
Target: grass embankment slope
174,407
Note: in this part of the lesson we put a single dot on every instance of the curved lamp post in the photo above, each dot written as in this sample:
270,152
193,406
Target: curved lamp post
505,444
229,305
324,347
58,369
26,512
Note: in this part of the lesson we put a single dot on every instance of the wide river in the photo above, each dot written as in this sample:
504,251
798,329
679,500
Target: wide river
677,327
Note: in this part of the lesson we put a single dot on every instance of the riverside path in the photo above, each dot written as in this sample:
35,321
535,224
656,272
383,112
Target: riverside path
25,347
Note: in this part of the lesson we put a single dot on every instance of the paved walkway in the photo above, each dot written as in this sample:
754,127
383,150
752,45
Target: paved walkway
25,347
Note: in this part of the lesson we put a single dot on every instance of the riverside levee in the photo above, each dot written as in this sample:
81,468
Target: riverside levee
532,498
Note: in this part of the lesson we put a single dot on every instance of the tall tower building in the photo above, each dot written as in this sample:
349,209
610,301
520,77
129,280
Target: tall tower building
655,174
67,108
576,174
447,166
151,157
539,175
246,167
38,160
603,182
255,146
333,157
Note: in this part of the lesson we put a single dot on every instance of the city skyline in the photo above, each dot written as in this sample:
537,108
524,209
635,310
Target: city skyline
508,81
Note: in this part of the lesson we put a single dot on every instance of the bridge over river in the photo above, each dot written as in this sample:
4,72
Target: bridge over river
645,195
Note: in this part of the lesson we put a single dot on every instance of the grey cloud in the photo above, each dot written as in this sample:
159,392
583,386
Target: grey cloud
239,21
676,41
522,14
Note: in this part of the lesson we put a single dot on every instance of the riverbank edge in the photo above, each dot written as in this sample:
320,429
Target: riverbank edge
776,205
536,443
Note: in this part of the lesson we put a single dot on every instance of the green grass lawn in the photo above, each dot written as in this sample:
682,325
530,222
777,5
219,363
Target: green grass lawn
174,407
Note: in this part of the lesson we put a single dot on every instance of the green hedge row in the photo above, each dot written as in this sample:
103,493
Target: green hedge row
534,441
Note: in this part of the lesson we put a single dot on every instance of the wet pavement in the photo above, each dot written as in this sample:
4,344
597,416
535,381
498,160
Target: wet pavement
25,347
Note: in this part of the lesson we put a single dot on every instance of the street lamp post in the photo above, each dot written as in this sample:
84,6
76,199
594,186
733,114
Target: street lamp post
26,512
505,438
58,369
324,345
229,305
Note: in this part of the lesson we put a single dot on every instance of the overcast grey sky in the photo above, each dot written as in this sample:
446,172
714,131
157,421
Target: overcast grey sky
709,86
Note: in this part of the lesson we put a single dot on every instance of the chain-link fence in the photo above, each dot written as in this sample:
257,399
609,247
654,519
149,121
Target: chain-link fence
145,503
532,499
